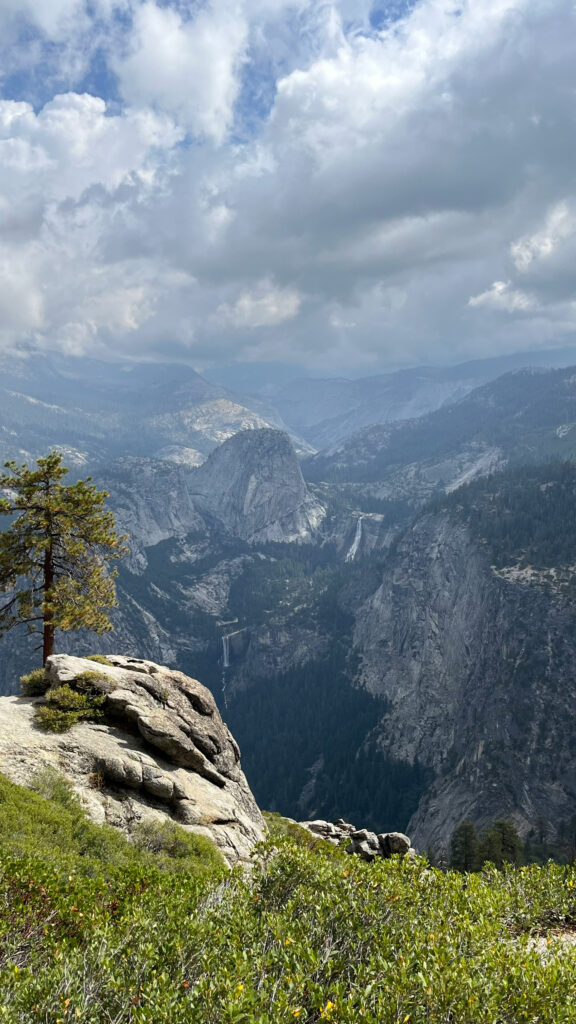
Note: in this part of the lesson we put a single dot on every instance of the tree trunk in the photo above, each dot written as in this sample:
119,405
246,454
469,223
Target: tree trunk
48,644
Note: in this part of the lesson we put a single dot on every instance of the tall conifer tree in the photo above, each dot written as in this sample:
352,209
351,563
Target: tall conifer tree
55,555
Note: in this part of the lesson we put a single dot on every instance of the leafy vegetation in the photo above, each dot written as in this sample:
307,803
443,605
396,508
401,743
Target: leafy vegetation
35,683
79,700
312,935
48,825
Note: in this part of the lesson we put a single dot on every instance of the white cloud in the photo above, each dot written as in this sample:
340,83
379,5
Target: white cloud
560,226
266,163
503,297
266,308
188,68
69,176
73,144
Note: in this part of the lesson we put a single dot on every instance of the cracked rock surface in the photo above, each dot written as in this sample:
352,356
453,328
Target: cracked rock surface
165,753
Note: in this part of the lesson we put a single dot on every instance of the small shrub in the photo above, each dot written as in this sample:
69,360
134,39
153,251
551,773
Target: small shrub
86,682
50,785
51,719
100,659
168,839
65,706
280,828
67,699
35,683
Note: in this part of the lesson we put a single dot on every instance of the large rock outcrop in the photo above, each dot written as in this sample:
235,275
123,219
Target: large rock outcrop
164,753
252,484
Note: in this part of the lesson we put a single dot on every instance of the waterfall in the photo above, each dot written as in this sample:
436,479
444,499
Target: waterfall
226,652
356,542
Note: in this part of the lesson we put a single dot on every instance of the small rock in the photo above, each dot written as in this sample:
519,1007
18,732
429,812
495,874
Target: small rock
394,842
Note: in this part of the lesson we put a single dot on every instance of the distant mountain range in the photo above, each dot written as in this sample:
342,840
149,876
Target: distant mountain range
98,411
326,411
524,416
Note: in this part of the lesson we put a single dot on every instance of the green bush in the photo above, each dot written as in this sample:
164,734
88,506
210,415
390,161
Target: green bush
65,706
94,929
52,719
86,682
280,828
72,702
169,839
35,683
48,824
100,658
304,937
49,784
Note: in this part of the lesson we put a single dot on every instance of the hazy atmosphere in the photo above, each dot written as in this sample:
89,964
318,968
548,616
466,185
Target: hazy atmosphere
340,186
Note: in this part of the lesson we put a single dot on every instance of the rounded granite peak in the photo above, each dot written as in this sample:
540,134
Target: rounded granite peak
253,485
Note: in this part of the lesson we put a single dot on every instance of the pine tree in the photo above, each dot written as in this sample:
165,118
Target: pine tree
500,844
490,848
464,848
510,841
55,555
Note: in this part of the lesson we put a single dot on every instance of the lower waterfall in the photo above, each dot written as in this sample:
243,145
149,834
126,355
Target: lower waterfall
226,652
351,555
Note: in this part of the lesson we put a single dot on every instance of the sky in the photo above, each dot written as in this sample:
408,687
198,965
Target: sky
345,185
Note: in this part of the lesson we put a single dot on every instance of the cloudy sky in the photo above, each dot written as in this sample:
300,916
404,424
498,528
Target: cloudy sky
343,184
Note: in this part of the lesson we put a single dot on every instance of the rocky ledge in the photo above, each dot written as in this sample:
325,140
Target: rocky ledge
164,752
365,844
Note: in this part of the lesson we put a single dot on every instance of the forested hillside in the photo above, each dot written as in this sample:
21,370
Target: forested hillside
525,516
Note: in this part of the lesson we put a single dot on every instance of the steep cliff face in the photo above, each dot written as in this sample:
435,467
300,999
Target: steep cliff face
476,672
152,502
253,486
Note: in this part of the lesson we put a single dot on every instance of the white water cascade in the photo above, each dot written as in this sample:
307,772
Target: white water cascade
225,652
351,555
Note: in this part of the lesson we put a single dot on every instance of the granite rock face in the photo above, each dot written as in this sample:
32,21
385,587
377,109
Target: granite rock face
250,487
253,485
167,755
475,669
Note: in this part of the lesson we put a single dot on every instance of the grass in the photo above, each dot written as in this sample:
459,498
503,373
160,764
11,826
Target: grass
101,933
